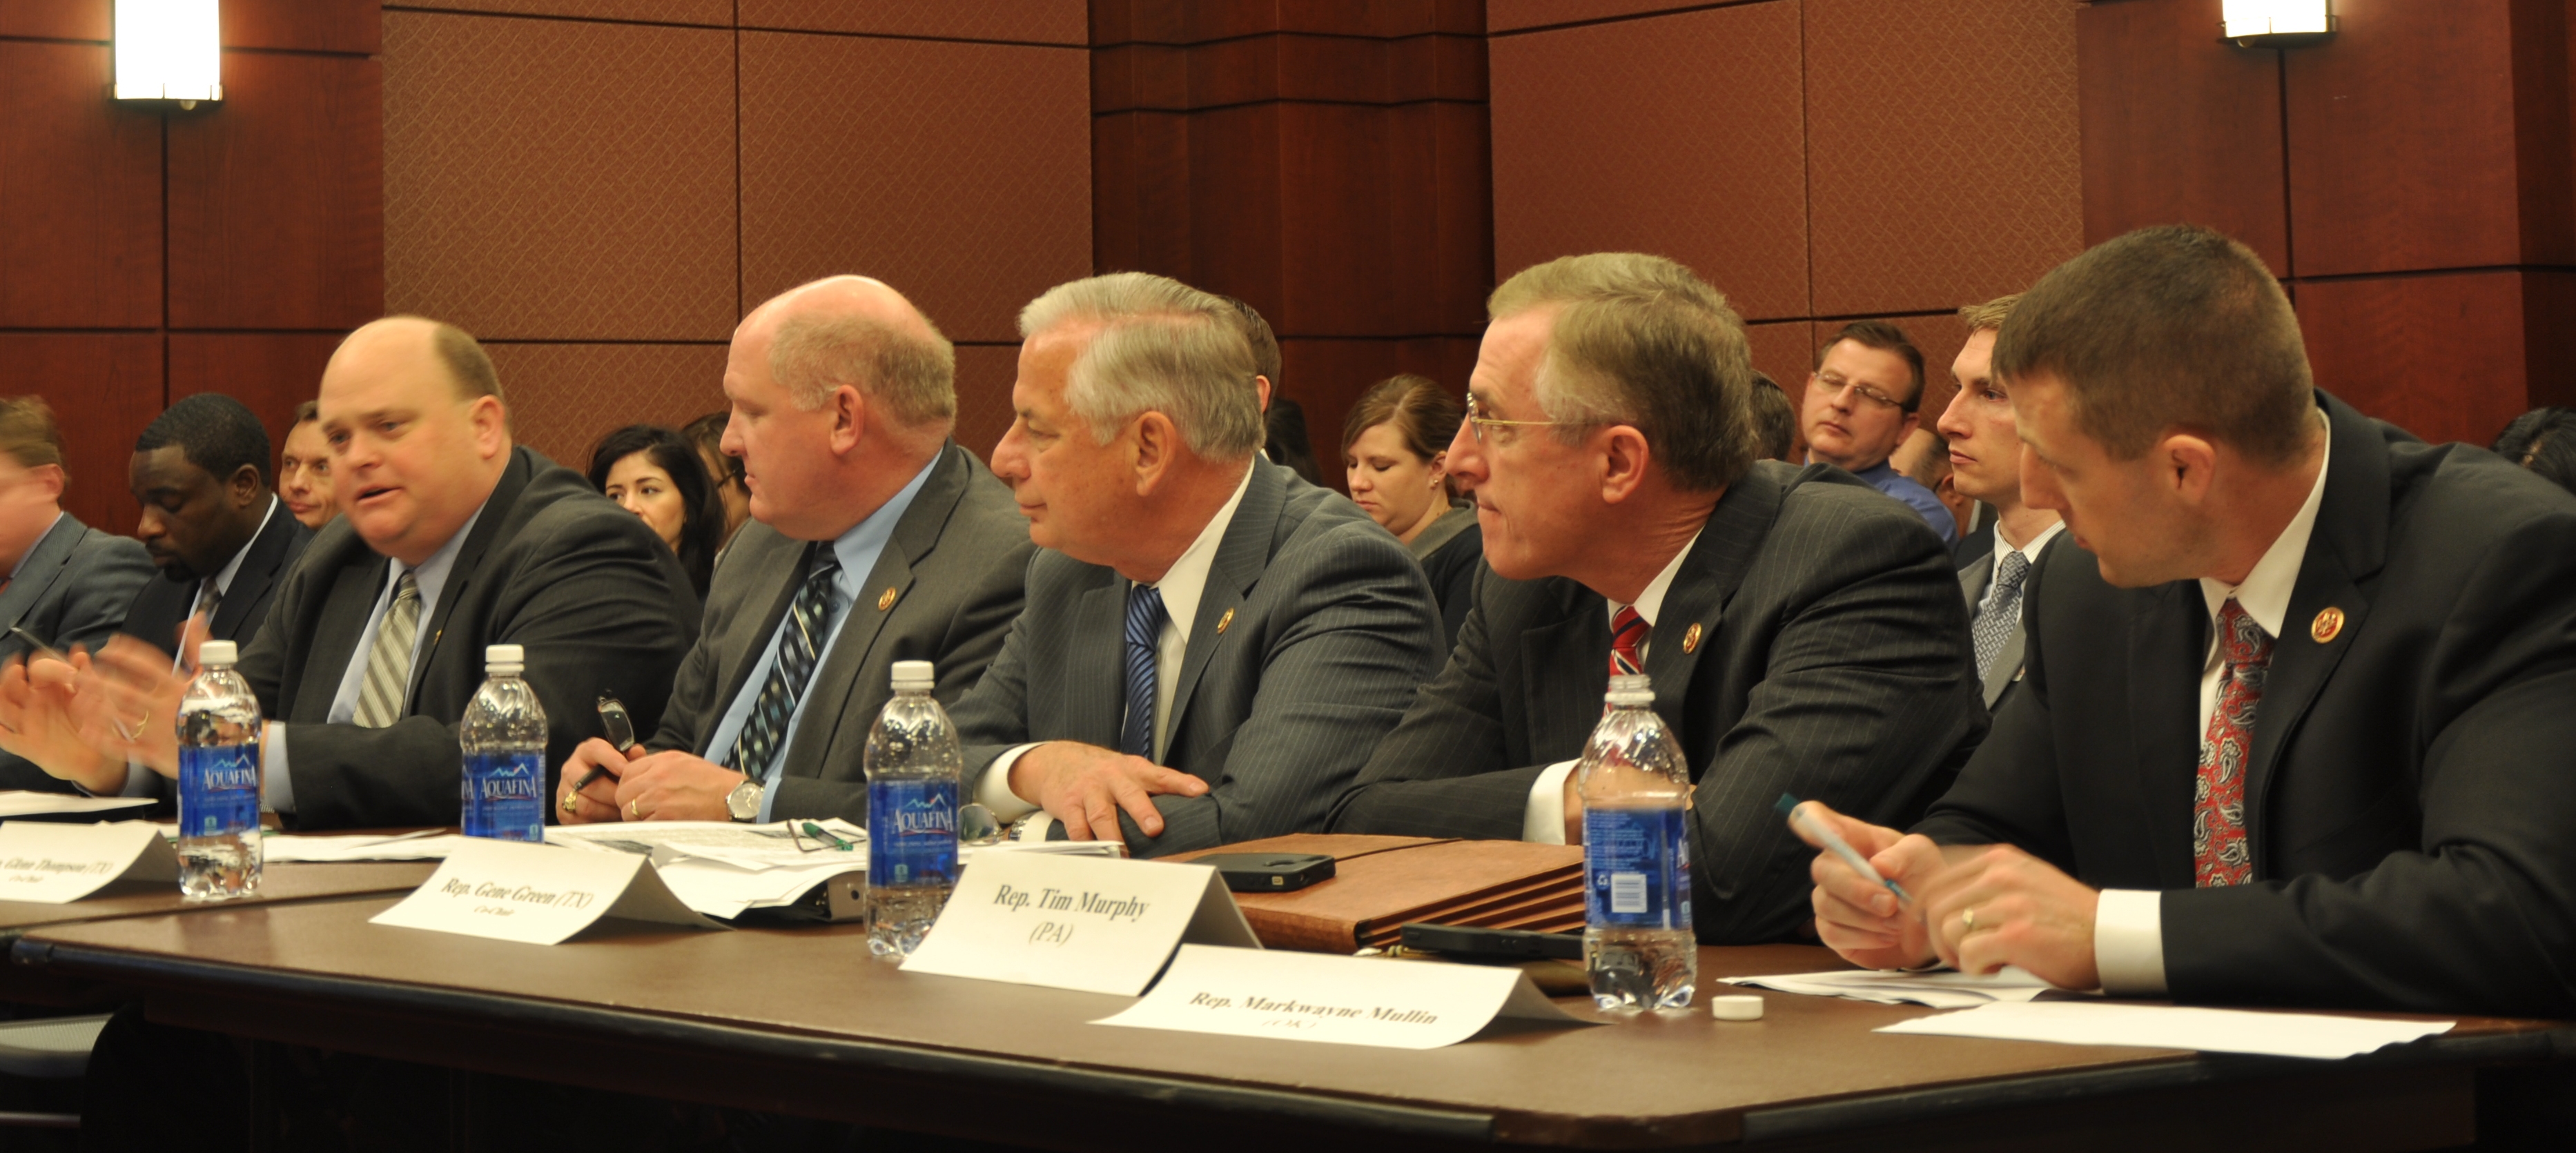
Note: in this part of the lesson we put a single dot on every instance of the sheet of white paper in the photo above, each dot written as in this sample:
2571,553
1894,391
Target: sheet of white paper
773,845
2175,1027
54,864
298,849
538,894
1941,989
27,803
1093,924
1340,1000
719,889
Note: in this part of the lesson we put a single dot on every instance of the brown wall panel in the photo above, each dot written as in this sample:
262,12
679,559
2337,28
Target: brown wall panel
1943,155
984,376
80,194
1786,350
276,217
1236,170
959,173
1197,21
300,25
270,372
1039,21
560,179
718,13
2179,127
104,387
1343,262
1325,377
1140,209
2443,357
1612,136
564,397
1511,15
56,19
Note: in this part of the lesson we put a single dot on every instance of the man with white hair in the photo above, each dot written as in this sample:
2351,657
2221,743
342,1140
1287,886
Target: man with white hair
1211,646
873,539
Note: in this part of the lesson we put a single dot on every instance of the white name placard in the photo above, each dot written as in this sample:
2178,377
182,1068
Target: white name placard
1093,924
537,894
52,864
1342,1000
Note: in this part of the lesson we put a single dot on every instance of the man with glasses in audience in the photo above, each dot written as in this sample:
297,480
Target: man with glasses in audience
1861,403
1803,634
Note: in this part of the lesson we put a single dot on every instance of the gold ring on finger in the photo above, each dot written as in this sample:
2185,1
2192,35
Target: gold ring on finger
571,802
634,810
1968,920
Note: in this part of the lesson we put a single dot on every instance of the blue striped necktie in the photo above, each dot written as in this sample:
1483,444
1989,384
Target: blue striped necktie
1144,633
800,644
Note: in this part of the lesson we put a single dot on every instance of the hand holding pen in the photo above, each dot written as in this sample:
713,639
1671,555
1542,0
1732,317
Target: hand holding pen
1864,909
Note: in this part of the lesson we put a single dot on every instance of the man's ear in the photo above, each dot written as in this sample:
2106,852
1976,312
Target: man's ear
1624,456
1152,442
849,419
491,426
246,486
2189,464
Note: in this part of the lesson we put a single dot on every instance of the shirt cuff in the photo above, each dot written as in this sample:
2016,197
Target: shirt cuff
1543,821
2129,942
138,780
276,784
994,791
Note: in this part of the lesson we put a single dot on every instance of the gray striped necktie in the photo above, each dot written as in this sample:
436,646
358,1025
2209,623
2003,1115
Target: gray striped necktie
800,645
380,699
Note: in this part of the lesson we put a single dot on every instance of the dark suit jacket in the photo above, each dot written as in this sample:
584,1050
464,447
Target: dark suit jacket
1828,666
1452,569
72,589
955,564
2409,801
1314,631
599,601
162,606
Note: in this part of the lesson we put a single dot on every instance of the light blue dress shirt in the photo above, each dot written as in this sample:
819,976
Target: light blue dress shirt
1911,491
858,550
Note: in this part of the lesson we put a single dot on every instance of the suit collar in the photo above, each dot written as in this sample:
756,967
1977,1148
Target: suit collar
254,569
1242,554
37,571
500,511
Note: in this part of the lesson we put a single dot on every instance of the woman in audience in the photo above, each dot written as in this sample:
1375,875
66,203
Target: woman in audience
1395,446
707,432
655,473
304,470
2544,441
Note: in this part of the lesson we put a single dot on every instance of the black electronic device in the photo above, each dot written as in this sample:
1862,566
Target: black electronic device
1269,872
1464,943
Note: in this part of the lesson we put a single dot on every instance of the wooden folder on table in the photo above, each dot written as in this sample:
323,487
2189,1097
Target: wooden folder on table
1381,884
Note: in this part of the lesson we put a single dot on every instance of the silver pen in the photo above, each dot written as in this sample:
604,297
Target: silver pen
1819,832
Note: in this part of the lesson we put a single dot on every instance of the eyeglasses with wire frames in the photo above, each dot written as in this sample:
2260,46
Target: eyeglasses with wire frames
1477,421
1833,384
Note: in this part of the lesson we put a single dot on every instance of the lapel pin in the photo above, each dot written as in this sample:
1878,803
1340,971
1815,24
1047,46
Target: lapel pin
1690,639
885,600
1223,621
2327,626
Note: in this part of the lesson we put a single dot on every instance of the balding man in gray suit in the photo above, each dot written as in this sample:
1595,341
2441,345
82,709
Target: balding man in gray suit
1802,633
1211,646
873,539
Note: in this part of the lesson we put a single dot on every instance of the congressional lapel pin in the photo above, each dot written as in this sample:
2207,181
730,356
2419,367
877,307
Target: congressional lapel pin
1690,639
885,600
2327,626
1223,621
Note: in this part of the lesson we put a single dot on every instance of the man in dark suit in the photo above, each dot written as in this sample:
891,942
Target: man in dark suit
451,540
1211,645
222,540
67,585
870,531
1803,634
2296,731
1985,463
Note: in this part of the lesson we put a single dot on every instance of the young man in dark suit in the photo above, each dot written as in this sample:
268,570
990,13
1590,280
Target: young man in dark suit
869,527
2296,730
1804,634
222,540
63,583
1985,463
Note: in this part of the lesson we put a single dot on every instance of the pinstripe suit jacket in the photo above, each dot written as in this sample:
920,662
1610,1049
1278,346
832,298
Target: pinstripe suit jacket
1331,629
1830,665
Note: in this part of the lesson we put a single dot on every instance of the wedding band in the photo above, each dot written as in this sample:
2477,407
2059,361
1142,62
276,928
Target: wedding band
633,811
569,802
1968,920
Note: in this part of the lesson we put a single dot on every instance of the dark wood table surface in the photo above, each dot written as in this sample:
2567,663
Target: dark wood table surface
804,1021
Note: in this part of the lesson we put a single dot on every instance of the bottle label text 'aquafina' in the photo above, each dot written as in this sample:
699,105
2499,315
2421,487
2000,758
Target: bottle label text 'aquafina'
502,790
913,764
219,735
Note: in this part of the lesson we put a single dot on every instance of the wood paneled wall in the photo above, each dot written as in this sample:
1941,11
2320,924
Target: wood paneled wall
146,255
2409,181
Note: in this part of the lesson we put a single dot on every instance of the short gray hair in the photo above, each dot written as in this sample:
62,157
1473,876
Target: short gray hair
915,379
1163,347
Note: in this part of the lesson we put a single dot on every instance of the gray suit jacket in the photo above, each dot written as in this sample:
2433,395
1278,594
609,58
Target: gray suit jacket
955,565
72,589
1827,664
1315,630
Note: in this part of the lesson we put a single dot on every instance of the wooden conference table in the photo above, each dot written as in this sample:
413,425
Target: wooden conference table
803,1021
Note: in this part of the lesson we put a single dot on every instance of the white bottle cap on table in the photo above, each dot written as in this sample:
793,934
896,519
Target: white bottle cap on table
1736,1007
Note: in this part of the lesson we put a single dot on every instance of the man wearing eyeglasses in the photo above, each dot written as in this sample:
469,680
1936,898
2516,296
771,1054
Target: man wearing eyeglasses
1803,634
1860,405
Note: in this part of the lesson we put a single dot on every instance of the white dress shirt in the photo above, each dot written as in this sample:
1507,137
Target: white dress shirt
1183,586
2128,924
1543,818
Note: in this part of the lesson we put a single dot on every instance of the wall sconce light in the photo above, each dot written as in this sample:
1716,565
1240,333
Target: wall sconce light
2276,23
169,50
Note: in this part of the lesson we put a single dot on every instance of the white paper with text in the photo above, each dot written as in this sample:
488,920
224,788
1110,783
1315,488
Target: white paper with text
50,864
1341,1000
537,894
1092,924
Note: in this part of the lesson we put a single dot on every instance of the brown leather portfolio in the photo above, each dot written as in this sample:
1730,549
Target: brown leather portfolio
1381,884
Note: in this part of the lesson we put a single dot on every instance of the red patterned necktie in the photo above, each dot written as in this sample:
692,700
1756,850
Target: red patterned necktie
1628,632
2219,854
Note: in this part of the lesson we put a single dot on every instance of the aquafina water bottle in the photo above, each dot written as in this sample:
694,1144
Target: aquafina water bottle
913,764
1636,791
219,734
504,740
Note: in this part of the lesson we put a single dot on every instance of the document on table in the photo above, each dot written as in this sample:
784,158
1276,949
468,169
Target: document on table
724,869
1940,989
2316,1035
298,849
28,803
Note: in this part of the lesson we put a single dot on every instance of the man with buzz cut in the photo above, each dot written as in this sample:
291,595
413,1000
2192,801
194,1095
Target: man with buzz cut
1211,646
1986,464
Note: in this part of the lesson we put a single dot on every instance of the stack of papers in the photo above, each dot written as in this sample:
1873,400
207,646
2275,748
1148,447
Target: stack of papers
1942,989
2314,1035
723,869
28,803
295,849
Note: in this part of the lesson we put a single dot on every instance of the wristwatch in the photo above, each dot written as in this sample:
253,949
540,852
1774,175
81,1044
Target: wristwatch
743,803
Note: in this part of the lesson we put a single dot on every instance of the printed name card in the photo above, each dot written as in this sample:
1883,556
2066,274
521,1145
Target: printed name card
537,894
1092,924
1342,1000
57,864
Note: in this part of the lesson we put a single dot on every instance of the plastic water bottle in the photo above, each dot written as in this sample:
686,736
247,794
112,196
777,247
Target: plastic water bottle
913,765
219,733
1636,791
504,738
